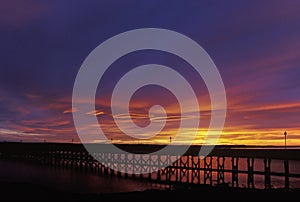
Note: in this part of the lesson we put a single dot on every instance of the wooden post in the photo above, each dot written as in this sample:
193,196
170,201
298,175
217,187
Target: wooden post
111,160
176,169
220,170
250,162
150,168
187,169
207,170
126,164
235,168
159,171
133,165
195,170
105,159
168,169
267,163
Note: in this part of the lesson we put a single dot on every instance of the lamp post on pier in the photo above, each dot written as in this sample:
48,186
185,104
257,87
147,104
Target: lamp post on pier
285,133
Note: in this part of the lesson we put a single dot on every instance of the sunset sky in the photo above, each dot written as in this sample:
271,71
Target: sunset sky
255,45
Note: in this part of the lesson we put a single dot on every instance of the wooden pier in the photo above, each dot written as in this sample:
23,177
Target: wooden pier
189,169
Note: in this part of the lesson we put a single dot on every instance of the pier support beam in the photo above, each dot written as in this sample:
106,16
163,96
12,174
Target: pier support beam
267,163
195,170
220,174
207,170
250,163
235,168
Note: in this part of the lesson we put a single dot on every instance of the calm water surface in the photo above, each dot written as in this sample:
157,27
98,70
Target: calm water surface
67,179
89,182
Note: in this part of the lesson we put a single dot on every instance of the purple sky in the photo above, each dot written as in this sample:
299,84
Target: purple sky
255,45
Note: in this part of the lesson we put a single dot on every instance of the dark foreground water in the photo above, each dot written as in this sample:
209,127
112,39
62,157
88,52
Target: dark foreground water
68,180
76,181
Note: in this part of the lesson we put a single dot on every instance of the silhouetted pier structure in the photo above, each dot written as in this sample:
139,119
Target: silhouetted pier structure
187,170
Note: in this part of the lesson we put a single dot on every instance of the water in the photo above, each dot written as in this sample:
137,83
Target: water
259,180
277,166
66,179
88,182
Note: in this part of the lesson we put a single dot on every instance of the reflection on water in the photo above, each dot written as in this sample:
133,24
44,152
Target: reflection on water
67,179
277,166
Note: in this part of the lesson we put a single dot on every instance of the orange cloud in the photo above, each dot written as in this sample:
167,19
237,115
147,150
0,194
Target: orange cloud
67,111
